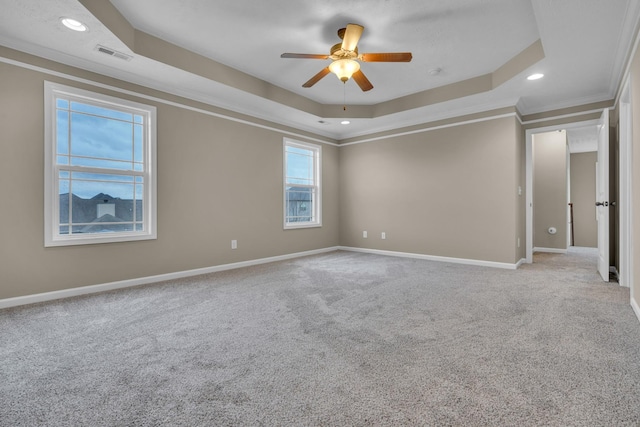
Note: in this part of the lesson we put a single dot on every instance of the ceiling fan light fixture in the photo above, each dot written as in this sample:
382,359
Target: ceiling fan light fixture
344,68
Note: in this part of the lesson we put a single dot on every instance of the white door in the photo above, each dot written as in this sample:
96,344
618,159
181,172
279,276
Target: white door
602,195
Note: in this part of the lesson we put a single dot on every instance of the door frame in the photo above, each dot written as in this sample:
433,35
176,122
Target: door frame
529,176
625,208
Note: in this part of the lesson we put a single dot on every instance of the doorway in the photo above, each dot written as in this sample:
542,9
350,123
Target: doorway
564,189
571,127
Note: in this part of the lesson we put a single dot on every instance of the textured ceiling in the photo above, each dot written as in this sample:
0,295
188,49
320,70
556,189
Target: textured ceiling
584,46
463,38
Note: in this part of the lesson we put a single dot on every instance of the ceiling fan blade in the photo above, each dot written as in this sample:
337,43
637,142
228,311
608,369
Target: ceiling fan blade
303,56
351,37
315,79
386,57
362,81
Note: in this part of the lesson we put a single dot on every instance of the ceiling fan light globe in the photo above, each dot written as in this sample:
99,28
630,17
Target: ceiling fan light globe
344,68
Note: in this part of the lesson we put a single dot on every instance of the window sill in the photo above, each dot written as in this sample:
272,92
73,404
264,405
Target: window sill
304,225
93,240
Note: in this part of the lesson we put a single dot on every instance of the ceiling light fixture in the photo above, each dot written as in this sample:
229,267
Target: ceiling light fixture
74,25
345,122
344,68
535,76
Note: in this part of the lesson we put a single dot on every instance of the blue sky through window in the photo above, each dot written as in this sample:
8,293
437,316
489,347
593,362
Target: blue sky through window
94,136
300,166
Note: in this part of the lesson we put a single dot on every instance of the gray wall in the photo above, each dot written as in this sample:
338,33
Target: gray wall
550,190
583,197
217,180
447,192
450,191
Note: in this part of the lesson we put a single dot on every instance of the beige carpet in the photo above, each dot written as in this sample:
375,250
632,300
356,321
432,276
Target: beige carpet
335,339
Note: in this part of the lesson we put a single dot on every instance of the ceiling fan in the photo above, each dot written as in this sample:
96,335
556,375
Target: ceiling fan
345,55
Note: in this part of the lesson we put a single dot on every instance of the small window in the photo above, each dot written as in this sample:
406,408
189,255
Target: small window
301,184
99,168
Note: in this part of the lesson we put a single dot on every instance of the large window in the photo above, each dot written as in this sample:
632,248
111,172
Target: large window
301,185
99,168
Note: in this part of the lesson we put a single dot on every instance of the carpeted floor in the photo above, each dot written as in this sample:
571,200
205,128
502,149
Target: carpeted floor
330,340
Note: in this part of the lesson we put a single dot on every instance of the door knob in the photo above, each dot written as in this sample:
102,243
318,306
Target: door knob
605,204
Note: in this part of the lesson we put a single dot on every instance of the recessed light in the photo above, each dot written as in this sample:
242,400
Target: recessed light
345,122
535,76
434,71
72,24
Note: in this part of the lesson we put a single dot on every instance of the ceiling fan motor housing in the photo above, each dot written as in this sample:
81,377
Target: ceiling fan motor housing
338,53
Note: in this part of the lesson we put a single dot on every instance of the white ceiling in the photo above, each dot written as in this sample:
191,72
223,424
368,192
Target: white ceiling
585,46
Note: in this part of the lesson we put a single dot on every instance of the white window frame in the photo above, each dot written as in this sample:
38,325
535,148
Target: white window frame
52,236
316,186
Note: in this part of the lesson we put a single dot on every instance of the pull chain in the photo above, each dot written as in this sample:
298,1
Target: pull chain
344,98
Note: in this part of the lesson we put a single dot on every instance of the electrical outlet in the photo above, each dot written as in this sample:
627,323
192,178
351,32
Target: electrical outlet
234,244
364,234
383,235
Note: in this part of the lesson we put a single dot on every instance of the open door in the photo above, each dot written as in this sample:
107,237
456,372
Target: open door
602,195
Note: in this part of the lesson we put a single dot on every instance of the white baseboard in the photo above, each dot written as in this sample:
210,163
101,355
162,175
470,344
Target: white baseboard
434,258
550,250
522,261
83,290
636,308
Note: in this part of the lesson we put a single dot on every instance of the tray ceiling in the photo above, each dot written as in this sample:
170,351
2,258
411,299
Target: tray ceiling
228,54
